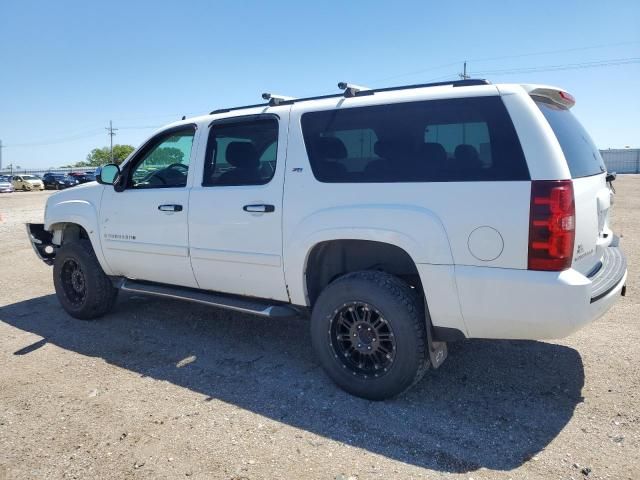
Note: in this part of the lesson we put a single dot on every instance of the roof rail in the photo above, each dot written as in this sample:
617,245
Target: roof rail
453,83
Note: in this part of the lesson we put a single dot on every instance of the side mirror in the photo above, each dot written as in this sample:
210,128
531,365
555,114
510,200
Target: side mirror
107,174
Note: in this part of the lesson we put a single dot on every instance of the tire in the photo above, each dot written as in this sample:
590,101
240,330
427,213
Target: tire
82,287
396,308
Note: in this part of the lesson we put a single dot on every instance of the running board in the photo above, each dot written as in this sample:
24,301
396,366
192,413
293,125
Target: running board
220,300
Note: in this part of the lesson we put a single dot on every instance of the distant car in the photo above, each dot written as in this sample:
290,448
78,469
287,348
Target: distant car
27,183
57,181
85,177
5,184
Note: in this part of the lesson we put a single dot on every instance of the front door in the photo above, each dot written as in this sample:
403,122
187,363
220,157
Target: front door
235,213
144,227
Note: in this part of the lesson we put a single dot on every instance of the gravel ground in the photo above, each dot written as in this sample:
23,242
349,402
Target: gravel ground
163,389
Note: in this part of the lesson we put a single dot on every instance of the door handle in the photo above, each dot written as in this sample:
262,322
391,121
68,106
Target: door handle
259,208
170,208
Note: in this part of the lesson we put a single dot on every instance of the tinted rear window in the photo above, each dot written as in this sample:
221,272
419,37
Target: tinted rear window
466,139
583,157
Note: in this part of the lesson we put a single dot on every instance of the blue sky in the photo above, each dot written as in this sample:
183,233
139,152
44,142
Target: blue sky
68,67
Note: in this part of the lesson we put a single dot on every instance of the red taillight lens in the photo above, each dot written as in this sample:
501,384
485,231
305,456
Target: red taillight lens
552,224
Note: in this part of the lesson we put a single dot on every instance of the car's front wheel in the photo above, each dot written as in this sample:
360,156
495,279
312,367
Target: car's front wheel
368,332
82,287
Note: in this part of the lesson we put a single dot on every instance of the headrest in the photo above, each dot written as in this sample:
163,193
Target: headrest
391,149
330,148
242,155
467,153
434,152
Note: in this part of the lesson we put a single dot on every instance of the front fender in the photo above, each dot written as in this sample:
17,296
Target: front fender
418,231
80,212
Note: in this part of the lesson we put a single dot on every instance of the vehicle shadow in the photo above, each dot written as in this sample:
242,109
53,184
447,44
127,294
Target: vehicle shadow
492,404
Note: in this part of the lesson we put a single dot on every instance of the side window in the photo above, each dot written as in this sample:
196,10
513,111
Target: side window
165,162
459,139
455,140
241,153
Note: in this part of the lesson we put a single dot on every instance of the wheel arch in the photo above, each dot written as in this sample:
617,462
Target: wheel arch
71,218
330,259
414,233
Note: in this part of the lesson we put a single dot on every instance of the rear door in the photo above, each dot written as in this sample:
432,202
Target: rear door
592,196
235,214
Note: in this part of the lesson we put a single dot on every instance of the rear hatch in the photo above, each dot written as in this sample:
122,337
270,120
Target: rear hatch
588,172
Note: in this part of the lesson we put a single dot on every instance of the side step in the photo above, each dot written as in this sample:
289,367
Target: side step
220,300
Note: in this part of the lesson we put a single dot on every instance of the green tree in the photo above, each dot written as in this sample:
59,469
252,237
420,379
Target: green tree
166,156
102,156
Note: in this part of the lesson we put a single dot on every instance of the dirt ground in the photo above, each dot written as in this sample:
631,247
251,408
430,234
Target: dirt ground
162,389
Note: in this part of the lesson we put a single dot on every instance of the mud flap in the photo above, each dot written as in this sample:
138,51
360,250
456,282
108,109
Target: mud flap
437,350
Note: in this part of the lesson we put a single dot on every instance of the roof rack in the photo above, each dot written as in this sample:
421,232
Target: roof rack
275,99
360,93
351,90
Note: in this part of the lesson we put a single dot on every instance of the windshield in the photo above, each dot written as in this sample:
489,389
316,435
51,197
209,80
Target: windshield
29,177
583,157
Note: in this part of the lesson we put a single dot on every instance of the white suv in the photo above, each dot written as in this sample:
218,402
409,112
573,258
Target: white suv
399,219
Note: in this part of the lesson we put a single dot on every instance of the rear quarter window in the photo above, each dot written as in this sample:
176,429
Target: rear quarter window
583,157
453,140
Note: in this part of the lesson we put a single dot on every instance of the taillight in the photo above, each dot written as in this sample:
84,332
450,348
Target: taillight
552,224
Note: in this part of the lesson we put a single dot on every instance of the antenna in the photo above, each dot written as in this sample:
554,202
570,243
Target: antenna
275,99
350,89
464,74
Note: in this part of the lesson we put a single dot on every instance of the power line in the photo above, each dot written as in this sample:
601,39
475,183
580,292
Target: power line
504,57
78,136
552,52
569,66
543,68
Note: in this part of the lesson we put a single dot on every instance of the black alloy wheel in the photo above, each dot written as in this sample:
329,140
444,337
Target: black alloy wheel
73,282
362,340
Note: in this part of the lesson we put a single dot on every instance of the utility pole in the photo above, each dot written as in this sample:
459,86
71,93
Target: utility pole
111,133
0,154
464,74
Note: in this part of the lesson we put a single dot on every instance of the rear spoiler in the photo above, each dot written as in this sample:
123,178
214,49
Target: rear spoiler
555,95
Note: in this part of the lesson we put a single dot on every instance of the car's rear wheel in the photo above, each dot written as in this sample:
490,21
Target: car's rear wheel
368,331
82,287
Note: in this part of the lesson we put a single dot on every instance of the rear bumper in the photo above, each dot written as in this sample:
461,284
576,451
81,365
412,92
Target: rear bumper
522,304
609,272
